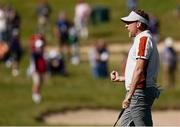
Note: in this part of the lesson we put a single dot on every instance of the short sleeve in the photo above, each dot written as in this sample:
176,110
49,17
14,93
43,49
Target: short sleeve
144,48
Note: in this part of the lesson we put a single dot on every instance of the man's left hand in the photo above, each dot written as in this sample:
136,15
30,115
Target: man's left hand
126,102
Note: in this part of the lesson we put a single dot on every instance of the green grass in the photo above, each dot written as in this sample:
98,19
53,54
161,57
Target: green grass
79,89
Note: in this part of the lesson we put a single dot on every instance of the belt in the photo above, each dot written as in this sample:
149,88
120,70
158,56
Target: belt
141,85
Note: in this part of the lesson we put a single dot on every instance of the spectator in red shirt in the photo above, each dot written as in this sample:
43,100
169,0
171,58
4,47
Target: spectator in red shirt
37,65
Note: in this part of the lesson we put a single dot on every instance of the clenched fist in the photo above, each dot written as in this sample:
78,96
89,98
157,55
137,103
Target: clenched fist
115,77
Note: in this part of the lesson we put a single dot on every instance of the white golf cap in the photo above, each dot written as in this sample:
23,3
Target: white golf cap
133,16
168,42
38,43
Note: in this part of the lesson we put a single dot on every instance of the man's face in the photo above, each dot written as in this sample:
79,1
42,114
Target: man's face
132,28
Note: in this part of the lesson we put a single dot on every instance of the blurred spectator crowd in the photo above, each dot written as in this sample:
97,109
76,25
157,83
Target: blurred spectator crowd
46,60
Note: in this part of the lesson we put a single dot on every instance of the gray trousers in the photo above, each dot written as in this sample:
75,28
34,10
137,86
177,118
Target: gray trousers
139,111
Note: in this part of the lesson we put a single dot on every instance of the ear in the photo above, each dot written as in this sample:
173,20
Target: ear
138,24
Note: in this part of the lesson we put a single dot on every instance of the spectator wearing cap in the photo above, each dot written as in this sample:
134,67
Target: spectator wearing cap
169,60
37,65
140,73
55,63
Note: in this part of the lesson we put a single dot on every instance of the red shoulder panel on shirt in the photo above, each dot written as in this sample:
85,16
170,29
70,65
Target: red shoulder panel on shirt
142,46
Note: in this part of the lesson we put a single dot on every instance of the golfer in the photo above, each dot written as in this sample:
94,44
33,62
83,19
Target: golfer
140,73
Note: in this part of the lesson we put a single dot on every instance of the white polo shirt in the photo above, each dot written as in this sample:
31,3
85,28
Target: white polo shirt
143,47
2,20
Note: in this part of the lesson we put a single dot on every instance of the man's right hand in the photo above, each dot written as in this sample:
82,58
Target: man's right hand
115,77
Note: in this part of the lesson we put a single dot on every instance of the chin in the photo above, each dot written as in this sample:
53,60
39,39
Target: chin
131,35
